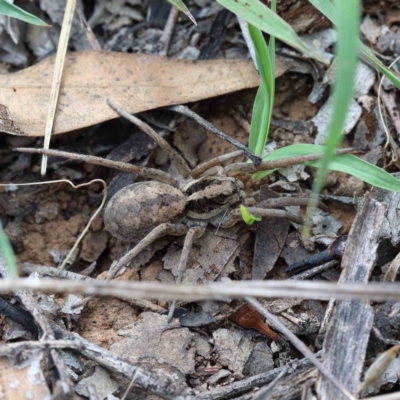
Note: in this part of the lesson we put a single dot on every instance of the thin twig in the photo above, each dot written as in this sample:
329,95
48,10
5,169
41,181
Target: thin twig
58,273
296,342
311,290
13,348
165,38
212,128
314,271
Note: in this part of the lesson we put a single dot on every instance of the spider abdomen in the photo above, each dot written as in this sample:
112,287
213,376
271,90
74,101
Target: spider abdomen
138,208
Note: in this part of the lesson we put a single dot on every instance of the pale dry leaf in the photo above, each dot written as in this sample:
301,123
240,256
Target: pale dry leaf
135,82
378,368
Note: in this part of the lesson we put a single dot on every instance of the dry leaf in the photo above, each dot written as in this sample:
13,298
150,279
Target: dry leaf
135,82
378,368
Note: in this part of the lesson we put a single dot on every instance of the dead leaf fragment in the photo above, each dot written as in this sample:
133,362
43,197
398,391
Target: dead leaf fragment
135,82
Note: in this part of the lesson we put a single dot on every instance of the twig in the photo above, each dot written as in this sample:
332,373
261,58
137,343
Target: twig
212,128
267,391
56,272
58,69
165,38
298,344
311,290
246,385
346,339
18,315
314,271
15,348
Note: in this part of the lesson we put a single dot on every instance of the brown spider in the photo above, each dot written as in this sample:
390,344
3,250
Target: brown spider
146,211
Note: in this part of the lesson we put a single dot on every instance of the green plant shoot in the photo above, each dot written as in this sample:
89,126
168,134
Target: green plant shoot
180,5
247,217
11,10
346,63
264,101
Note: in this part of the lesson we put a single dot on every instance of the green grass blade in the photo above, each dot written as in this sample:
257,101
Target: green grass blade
11,10
259,15
258,122
263,104
328,9
325,7
391,75
363,170
180,5
347,163
8,254
346,62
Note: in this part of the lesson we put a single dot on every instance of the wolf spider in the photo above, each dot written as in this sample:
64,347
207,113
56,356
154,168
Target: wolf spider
146,211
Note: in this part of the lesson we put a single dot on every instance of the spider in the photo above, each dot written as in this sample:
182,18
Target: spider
145,211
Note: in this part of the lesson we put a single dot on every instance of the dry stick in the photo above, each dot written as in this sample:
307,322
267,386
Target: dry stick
391,396
166,36
165,388
346,339
149,173
314,271
208,125
58,69
296,342
311,290
193,233
240,168
248,384
175,157
266,392
15,348
56,272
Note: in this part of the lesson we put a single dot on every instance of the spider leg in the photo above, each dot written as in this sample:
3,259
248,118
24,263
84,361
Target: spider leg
149,173
240,168
176,158
289,201
204,167
235,216
193,233
157,232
